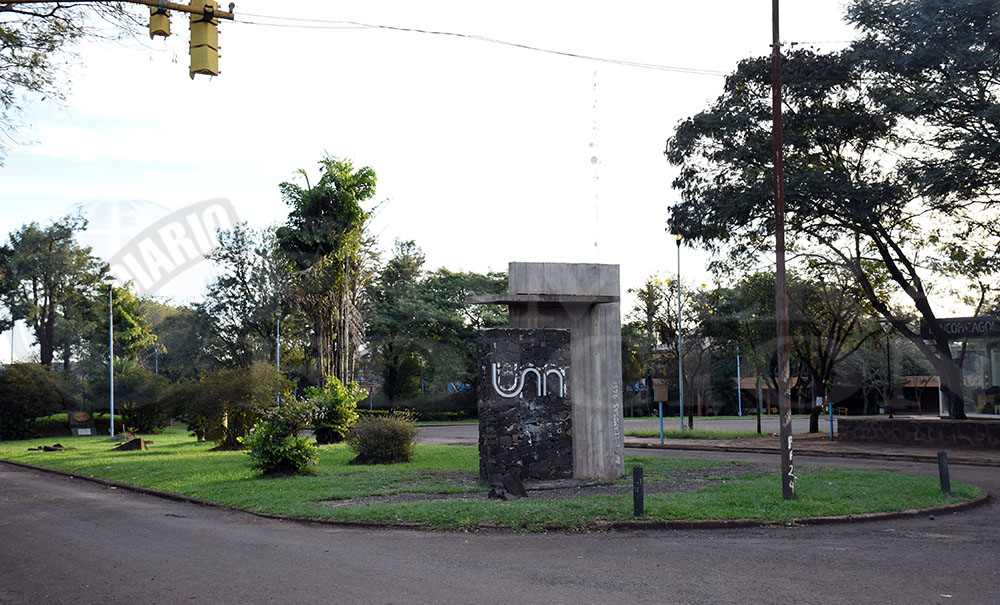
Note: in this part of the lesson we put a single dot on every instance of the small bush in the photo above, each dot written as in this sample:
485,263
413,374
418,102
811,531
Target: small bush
274,446
383,439
336,409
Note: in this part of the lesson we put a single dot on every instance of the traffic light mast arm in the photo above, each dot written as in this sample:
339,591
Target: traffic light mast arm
183,8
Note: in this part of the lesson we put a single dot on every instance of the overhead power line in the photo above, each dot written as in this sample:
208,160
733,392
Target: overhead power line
303,23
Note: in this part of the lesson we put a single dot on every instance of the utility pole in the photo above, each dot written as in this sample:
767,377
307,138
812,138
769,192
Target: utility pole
781,283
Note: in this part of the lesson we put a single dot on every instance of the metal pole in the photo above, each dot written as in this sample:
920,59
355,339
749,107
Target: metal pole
739,386
781,285
277,353
680,342
661,422
111,354
829,405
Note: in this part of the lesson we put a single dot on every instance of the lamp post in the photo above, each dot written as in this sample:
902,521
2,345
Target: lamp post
277,348
110,281
887,328
680,351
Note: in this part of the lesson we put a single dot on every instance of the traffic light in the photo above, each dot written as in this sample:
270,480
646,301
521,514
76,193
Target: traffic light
159,22
204,39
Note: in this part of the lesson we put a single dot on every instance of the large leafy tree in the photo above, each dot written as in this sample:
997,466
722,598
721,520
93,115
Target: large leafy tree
46,274
419,325
324,242
243,299
36,47
853,198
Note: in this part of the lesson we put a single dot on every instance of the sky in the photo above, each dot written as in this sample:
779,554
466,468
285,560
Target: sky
486,151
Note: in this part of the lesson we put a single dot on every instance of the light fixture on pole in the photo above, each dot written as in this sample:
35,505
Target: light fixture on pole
110,281
887,328
680,350
277,347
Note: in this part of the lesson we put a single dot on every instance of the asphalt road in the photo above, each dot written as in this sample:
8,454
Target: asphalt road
67,540
468,433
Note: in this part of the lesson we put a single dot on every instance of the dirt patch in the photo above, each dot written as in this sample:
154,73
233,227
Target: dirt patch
565,489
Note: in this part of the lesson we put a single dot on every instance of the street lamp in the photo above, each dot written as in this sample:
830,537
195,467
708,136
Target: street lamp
680,352
277,347
887,328
110,281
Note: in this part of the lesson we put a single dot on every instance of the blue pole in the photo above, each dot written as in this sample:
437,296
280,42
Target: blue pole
111,354
830,405
661,422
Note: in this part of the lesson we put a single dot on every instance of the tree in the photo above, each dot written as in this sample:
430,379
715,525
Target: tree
420,326
934,63
184,336
132,332
138,393
243,299
397,319
655,316
323,240
851,202
46,272
649,320
226,403
830,325
36,42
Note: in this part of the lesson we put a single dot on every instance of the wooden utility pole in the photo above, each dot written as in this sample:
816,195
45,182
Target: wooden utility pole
781,283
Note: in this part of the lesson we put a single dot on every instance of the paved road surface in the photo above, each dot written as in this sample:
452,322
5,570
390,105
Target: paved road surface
468,433
70,541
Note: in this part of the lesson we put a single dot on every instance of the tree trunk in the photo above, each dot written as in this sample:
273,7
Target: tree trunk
952,389
816,409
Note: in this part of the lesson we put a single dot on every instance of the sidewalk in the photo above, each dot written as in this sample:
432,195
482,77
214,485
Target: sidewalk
819,444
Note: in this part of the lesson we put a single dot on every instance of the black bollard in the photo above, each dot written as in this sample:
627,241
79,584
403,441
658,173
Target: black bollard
943,471
638,506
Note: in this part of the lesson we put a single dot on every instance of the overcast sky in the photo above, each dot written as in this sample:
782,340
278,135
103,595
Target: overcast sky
484,151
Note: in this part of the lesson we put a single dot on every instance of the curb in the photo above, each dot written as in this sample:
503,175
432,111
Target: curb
637,524
810,452
830,520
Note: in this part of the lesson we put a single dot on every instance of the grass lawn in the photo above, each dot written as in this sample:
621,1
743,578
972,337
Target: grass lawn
177,463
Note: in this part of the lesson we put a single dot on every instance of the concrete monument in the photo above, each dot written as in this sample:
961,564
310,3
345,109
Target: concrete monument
583,299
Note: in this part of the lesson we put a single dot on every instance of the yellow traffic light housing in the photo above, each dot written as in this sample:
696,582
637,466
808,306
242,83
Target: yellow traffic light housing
204,48
159,22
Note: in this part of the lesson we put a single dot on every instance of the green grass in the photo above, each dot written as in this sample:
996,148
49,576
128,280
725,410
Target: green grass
696,434
177,463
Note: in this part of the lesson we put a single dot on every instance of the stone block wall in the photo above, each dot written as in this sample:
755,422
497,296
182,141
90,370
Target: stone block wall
525,404
972,433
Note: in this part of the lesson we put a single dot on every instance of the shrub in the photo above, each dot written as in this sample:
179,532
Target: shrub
383,439
274,445
336,409
139,392
225,404
28,391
